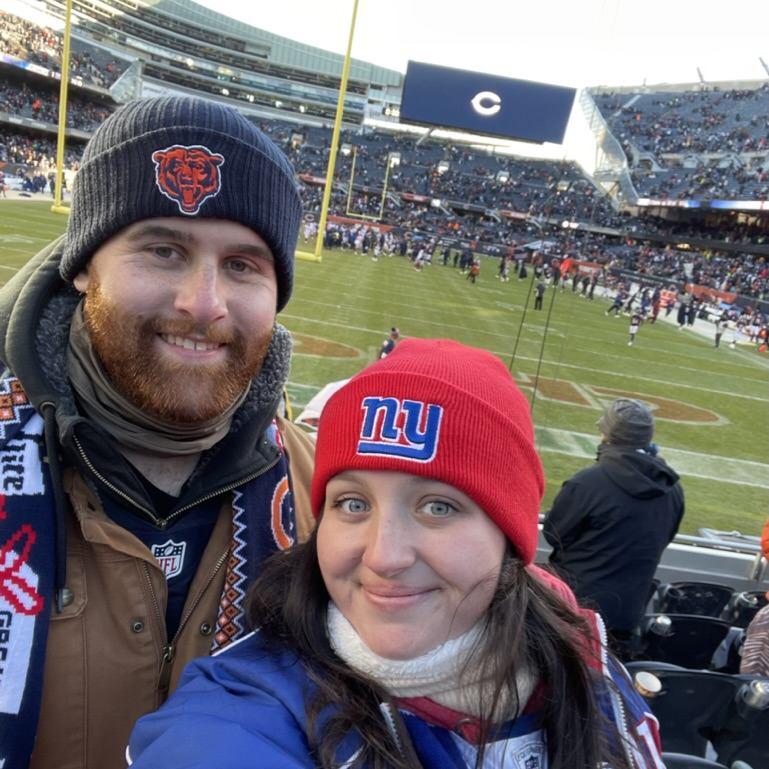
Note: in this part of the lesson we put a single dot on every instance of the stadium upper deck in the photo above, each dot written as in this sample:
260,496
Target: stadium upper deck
185,44
700,144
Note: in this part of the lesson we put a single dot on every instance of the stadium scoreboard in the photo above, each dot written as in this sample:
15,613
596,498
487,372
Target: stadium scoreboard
486,104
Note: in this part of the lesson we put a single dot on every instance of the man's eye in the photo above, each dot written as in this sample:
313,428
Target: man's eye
164,252
239,265
438,508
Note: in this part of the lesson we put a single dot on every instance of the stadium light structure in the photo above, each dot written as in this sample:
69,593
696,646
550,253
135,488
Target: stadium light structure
317,257
57,206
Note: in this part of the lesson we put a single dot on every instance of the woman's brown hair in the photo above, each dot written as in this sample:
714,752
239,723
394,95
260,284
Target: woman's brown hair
527,627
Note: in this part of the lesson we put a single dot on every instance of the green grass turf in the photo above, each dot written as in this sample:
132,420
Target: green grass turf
352,301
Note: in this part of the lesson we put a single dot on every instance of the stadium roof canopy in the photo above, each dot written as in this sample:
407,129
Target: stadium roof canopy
278,49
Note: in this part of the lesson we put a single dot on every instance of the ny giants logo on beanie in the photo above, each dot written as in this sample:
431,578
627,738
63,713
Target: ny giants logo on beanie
188,175
407,429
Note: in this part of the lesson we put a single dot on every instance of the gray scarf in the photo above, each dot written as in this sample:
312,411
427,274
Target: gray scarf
129,425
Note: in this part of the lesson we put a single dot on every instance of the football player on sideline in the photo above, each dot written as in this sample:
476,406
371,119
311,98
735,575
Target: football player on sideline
145,474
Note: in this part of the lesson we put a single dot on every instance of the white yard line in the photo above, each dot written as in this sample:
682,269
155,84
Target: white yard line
686,463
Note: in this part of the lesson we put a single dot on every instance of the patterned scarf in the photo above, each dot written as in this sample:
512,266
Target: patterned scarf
27,556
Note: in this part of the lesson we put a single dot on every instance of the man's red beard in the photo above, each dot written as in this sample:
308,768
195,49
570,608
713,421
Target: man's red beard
173,391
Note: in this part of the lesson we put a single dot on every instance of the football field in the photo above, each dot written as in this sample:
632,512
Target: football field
711,405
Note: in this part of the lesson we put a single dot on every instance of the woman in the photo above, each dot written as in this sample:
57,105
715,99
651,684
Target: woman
411,629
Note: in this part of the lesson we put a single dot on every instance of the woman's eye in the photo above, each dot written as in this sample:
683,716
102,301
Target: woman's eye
438,508
352,505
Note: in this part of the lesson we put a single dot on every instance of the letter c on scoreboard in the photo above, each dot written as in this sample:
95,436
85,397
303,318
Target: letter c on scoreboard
486,103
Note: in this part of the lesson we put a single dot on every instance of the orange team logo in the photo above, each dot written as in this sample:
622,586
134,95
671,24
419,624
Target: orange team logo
280,519
188,175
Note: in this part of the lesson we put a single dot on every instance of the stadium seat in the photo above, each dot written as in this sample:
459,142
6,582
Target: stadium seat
690,706
703,598
705,713
744,736
684,639
743,606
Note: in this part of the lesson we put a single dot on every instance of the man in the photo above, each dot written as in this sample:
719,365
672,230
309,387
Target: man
720,326
619,299
389,344
144,474
610,523
656,304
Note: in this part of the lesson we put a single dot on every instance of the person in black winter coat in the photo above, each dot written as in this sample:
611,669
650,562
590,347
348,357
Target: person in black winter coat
610,522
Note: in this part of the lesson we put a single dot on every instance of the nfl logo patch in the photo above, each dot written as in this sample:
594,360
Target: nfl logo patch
170,557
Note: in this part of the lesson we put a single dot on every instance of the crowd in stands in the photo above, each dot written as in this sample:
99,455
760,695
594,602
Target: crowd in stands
748,275
450,189
36,152
42,45
732,180
43,105
679,129
684,122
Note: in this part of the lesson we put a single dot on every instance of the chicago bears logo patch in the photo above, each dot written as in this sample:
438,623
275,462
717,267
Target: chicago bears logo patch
188,175
281,519
406,429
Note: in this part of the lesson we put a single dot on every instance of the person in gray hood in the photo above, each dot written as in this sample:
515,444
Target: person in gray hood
610,522
144,472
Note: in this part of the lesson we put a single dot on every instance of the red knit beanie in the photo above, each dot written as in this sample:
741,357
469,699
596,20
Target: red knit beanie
441,410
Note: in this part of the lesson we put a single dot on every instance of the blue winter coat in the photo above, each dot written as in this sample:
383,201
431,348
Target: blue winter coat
245,709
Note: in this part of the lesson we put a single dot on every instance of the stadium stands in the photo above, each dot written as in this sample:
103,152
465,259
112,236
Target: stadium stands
41,45
42,104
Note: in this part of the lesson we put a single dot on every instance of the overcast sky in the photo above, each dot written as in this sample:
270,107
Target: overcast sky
569,42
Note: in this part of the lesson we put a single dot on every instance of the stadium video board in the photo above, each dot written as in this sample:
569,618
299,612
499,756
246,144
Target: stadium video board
486,104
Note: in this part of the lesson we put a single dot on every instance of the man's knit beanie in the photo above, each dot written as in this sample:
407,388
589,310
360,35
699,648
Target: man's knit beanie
627,422
441,410
185,157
